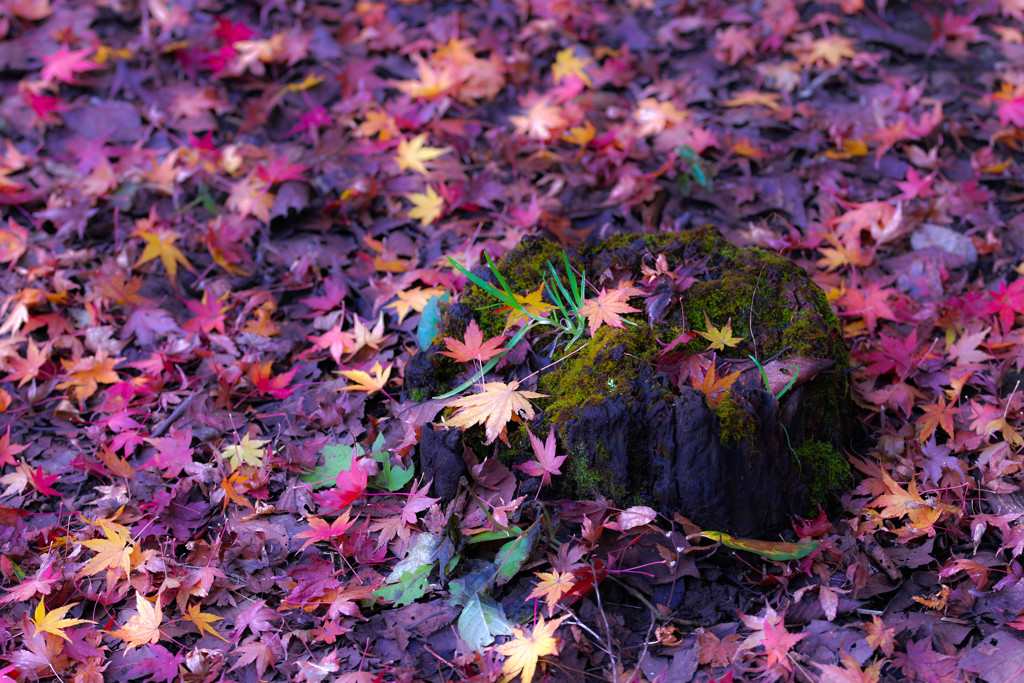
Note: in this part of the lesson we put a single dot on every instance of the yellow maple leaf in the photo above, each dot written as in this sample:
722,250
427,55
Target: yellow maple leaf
580,135
414,299
532,304
493,407
144,627
524,650
426,207
552,586
720,337
160,244
112,552
202,621
54,621
568,65
829,51
248,451
412,154
370,382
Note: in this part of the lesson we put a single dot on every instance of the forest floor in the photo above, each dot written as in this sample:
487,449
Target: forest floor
223,244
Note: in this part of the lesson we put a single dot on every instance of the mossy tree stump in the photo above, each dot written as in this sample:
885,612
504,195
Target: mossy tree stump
635,435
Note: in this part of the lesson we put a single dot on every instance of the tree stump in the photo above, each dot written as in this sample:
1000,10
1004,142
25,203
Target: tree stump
634,425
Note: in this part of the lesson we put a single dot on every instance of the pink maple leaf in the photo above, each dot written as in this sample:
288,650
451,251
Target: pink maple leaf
547,463
416,502
63,64
173,452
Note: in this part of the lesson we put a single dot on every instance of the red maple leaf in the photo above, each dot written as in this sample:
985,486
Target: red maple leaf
474,348
777,642
349,485
41,481
320,530
1006,303
260,376
607,308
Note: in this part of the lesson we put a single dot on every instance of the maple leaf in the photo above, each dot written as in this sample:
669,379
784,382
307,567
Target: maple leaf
173,452
24,370
260,376
719,337
426,207
63,64
568,65
349,485
532,305
937,415
541,121
336,342
13,242
417,501
370,382
9,450
112,552
431,83
231,493
524,650
414,299
412,154
142,627
473,347
829,51
493,407
248,451
160,244
1007,302
86,374
714,387
552,586
320,530
607,308
546,463
54,621
202,621
777,642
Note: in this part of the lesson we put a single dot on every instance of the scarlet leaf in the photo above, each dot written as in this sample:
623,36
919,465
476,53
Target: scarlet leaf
473,347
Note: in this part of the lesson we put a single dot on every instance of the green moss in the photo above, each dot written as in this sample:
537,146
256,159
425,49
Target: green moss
825,470
734,425
591,478
606,366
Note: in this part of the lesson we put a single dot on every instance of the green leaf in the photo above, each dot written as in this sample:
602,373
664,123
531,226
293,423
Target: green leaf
513,555
773,550
392,478
337,459
494,535
480,621
409,587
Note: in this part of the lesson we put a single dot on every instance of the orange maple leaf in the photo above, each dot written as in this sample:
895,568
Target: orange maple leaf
607,308
54,621
431,83
86,374
937,415
525,649
714,387
493,407
552,586
143,627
